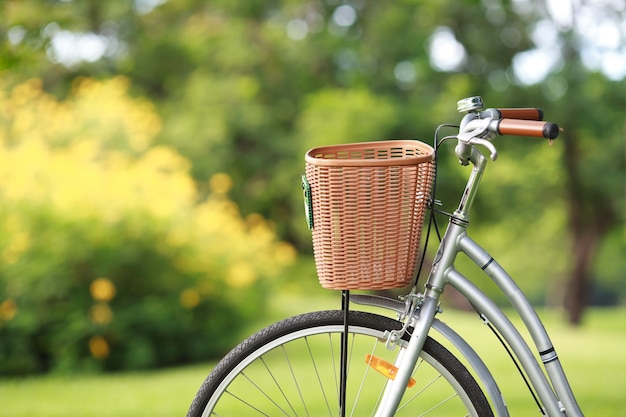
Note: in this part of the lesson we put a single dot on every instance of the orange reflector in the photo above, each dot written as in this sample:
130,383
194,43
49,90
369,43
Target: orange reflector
385,368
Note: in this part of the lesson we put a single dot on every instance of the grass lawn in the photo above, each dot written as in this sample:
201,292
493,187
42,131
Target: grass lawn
593,357
159,393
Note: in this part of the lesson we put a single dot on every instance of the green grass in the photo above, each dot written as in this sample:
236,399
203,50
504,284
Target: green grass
161,393
593,357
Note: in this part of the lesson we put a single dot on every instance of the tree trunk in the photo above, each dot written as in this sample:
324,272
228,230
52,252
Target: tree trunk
589,219
578,287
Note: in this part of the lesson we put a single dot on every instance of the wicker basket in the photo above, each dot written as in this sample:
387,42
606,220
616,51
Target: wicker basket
367,204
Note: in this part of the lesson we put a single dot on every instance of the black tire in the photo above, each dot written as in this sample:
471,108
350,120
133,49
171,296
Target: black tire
291,368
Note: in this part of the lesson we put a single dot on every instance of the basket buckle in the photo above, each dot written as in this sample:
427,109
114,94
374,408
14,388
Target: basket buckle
308,202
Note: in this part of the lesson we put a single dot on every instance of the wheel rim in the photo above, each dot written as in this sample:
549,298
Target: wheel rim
291,376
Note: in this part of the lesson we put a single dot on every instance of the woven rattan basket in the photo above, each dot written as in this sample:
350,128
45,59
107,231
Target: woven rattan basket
366,206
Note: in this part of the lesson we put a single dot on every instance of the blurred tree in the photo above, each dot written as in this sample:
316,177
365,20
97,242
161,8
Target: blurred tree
109,259
245,86
584,55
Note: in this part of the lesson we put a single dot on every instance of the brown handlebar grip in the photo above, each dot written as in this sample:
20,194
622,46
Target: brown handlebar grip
529,113
538,129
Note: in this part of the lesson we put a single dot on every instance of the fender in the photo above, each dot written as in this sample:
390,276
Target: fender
475,362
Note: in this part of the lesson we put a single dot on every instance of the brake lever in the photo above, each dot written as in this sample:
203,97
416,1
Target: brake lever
493,153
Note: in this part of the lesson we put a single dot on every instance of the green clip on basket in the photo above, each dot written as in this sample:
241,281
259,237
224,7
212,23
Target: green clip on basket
365,205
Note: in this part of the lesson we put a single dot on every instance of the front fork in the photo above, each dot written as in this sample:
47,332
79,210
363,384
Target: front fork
407,358
428,306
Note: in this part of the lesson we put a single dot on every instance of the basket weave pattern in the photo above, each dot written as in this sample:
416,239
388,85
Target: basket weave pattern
369,201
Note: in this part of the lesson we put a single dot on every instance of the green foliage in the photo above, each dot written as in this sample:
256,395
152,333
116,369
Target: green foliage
246,87
337,116
109,259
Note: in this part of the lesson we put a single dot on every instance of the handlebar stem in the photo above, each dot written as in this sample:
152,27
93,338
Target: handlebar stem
463,149
462,213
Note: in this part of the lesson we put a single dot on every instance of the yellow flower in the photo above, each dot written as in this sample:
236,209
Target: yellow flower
101,314
284,253
190,298
8,309
220,183
102,289
98,347
241,275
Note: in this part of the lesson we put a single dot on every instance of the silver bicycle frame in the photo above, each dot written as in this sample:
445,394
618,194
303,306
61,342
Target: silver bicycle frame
551,386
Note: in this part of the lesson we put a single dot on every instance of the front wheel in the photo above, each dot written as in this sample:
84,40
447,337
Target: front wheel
291,368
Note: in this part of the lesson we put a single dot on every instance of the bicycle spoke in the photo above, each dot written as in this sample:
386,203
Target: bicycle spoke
360,390
295,380
334,362
285,397
265,394
319,379
246,403
439,405
420,392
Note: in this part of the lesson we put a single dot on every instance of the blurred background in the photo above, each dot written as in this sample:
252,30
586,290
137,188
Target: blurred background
151,153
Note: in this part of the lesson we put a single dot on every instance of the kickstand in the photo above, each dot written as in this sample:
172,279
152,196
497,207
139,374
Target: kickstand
345,306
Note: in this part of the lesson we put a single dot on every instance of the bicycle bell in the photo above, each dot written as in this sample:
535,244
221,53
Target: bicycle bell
470,104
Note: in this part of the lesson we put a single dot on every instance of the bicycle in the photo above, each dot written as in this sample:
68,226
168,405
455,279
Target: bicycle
351,362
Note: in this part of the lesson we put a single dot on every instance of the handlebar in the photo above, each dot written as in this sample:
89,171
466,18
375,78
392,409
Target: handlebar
523,113
479,126
476,105
473,128
518,127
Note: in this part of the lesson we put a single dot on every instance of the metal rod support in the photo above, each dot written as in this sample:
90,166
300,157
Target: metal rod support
343,380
